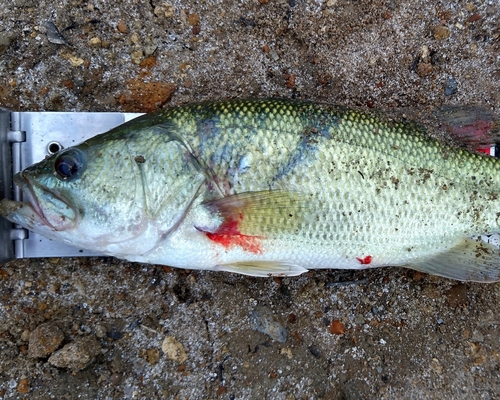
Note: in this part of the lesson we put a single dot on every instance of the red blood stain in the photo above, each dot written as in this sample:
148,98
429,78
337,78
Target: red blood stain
229,235
365,260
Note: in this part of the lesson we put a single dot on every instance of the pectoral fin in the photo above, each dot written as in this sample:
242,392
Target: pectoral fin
471,260
251,217
260,213
263,268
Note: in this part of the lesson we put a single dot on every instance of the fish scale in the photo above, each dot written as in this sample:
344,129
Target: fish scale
279,187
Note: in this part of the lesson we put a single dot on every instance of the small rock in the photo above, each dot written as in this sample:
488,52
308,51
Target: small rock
6,39
436,366
173,349
146,96
440,32
150,46
418,276
25,336
122,27
114,333
477,337
273,54
337,327
100,331
164,10
193,19
424,69
287,351
76,355
95,41
115,379
76,61
457,295
262,320
44,340
450,86
314,351
152,356
53,34
24,386
474,18
136,56
360,319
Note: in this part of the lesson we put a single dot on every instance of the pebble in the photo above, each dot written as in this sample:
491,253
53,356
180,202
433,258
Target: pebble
337,327
44,340
53,34
193,19
25,336
145,96
122,27
164,10
6,39
173,349
76,355
114,334
152,356
95,41
76,61
457,295
136,56
262,320
450,86
436,366
24,386
150,46
115,379
440,32
314,351
100,331
424,69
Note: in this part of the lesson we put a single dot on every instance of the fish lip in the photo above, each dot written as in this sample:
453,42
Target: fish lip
23,180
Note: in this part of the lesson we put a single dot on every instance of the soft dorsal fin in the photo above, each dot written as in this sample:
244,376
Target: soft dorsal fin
471,260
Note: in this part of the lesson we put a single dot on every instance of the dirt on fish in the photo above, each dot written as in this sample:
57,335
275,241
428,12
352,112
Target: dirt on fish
397,334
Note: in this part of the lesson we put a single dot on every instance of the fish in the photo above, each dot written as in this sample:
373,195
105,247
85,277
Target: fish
270,188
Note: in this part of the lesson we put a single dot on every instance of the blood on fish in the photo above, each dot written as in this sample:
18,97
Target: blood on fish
365,260
229,235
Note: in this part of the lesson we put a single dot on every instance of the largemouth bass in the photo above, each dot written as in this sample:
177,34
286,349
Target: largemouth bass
269,187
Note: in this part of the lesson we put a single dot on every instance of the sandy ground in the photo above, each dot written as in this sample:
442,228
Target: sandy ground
100,328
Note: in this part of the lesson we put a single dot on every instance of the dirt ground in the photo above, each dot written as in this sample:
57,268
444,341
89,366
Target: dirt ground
100,328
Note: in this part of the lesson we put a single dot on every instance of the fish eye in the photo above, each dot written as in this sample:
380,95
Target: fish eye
69,164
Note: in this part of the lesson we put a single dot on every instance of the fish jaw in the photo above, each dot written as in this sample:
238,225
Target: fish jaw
23,213
51,206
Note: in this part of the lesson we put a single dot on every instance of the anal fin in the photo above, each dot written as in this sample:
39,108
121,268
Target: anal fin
263,268
471,260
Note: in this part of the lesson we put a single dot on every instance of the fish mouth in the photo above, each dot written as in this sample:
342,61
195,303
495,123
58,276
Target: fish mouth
50,205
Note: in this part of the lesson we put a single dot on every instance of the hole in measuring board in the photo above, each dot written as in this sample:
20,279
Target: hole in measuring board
54,147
